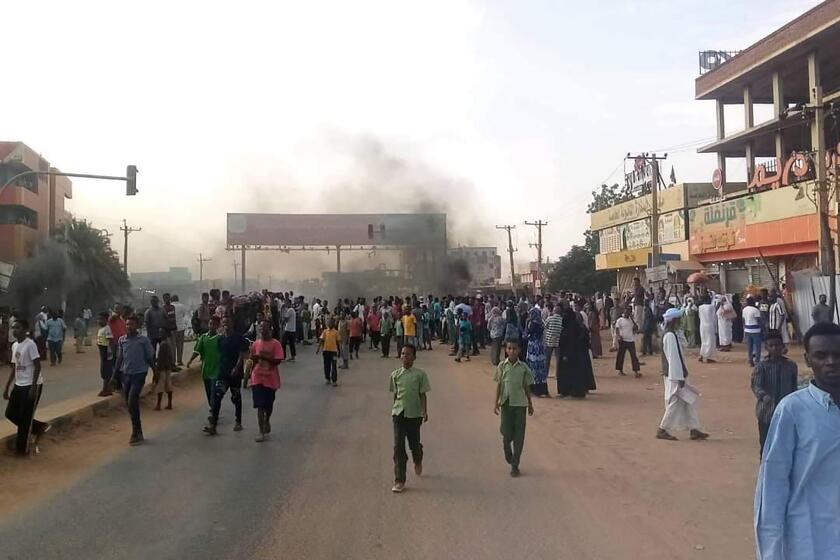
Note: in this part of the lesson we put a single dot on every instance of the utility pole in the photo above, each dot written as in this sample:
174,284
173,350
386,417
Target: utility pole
126,230
653,161
235,273
511,250
539,225
201,260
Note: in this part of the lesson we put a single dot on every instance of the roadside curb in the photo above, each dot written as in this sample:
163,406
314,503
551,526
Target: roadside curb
67,420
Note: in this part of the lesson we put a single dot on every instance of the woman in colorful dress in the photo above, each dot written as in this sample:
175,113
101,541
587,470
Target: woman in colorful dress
535,354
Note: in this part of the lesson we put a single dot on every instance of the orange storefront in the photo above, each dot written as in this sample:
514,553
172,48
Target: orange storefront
757,238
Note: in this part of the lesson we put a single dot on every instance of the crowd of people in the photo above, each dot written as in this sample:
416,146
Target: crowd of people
242,340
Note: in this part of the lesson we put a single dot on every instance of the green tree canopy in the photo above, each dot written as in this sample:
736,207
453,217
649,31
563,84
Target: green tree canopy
575,271
76,265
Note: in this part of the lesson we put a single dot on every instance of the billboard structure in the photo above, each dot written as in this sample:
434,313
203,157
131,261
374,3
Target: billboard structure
281,231
420,237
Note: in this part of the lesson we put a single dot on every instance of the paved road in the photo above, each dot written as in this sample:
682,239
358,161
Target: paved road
321,487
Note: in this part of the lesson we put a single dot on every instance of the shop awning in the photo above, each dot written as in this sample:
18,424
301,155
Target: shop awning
686,266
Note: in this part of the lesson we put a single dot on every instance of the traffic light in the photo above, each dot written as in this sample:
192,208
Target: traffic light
131,180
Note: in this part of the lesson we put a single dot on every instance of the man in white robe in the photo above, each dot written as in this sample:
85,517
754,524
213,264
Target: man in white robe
680,398
725,315
708,329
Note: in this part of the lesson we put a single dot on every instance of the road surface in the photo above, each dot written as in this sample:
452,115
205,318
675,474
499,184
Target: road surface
595,484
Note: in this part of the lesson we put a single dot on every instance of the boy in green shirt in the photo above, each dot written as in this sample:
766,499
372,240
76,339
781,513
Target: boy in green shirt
513,398
207,347
408,413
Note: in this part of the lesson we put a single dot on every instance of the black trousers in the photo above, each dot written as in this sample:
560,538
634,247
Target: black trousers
289,340
220,388
763,428
386,345
20,412
374,339
355,344
624,347
406,429
647,343
330,366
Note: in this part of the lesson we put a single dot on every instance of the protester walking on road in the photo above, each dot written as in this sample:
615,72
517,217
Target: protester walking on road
752,331
553,329
772,380
207,348
106,345
708,329
182,319
535,354
409,411
822,313
328,344
289,317
135,355
680,398
233,351
56,333
155,321
496,325
796,505
164,365
79,332
625,329
28,385
513,399
386,329
266,354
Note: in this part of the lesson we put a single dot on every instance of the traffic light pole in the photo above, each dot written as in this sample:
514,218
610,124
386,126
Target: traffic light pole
130,178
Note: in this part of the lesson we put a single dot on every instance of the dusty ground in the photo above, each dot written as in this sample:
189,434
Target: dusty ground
596,484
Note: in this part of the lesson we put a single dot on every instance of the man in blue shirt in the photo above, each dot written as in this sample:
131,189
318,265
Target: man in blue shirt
797,501
135,355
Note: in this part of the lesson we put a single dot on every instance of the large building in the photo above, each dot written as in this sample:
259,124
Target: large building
484,264
760,235
31,207
624,231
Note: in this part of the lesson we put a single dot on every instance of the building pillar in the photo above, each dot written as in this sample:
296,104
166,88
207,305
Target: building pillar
818,147
779,105
749,122
721,134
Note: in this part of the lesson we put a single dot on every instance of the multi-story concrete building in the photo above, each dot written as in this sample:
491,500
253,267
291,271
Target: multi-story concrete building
484,264
757,236
31,207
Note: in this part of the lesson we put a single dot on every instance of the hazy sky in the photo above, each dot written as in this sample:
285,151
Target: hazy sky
514,110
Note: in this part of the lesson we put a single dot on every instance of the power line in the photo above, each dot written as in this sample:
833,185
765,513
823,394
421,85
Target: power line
201,260
126,230
539,225
511,251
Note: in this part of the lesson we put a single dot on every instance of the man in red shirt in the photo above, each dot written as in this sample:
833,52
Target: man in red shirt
355,328
373,328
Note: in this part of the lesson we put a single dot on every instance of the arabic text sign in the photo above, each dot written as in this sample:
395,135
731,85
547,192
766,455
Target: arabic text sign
636,235
637,209
720,226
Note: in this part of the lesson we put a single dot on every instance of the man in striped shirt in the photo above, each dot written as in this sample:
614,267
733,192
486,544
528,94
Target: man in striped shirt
553,328
772,380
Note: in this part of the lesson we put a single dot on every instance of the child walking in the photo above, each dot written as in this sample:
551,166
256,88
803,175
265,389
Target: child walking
162,378
513,398
328,343
266,354
409,411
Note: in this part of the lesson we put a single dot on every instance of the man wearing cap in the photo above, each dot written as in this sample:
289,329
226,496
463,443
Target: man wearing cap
680,398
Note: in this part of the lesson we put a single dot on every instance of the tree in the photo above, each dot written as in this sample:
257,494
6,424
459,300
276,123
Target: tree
77,266
609,195
575,271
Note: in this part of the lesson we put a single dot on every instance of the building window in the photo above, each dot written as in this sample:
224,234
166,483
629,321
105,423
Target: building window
19,216
30,182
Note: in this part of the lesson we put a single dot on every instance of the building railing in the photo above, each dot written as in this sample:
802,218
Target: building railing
710,60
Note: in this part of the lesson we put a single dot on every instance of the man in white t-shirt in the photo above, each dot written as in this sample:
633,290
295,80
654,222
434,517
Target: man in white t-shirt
625,331
28,384
289,331
182,321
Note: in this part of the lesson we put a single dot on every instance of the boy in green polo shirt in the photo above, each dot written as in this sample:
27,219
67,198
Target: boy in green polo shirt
513,398
408,413
207,347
